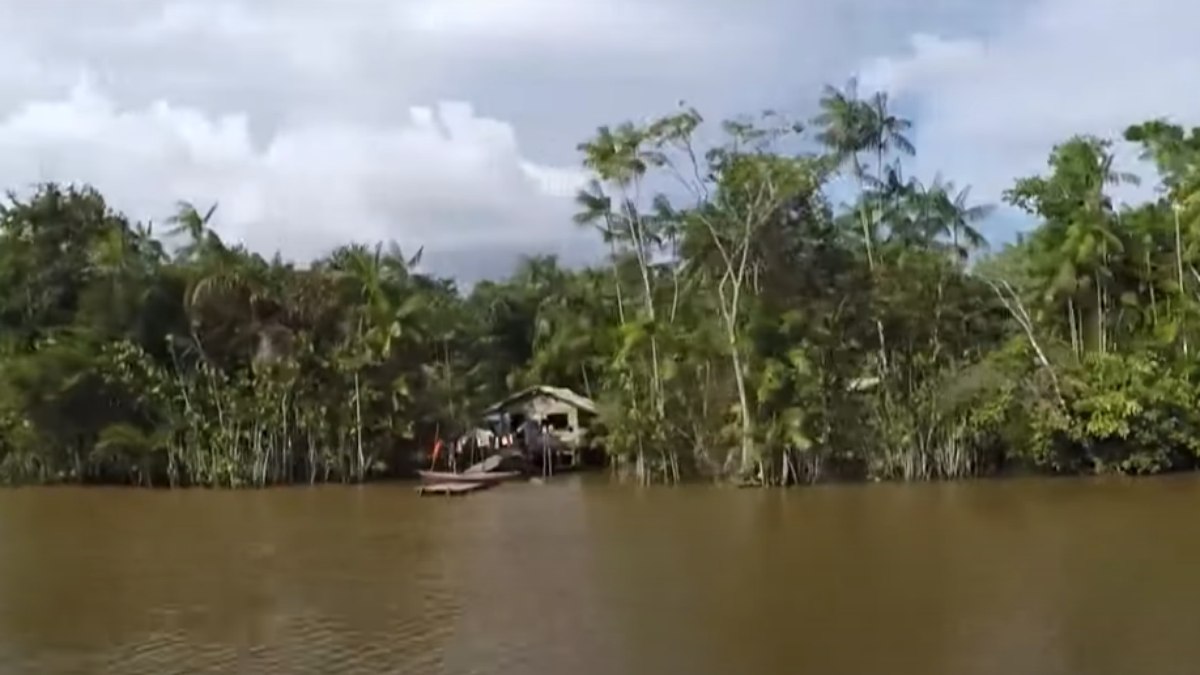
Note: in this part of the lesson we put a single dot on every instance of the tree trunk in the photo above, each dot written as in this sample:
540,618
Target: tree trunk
1153,300
1099,314
867,237
358,424
1179,264
1075,336
617,282
747,445
1012,302
648,290
878,220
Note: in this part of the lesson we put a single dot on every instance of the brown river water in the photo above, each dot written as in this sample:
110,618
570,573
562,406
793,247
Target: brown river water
579,577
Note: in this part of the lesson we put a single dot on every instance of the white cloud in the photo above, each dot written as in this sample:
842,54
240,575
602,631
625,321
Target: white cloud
572,23
444,178
320,121
312,123
990,109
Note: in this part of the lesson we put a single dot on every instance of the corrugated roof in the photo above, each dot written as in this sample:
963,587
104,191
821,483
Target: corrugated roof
561,393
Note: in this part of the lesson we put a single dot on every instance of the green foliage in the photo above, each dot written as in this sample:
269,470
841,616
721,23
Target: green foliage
1125,413
744,327
215,367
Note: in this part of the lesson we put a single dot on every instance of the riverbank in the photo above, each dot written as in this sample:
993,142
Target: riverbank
609,476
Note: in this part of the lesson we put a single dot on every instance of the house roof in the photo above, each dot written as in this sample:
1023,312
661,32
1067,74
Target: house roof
862,383
565,395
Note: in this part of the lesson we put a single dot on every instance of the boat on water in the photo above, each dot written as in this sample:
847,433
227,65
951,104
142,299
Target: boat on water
487,472
485,477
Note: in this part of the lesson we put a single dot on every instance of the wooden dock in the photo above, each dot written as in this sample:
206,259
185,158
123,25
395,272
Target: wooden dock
452,489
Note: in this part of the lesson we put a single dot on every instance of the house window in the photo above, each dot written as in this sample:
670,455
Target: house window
559,421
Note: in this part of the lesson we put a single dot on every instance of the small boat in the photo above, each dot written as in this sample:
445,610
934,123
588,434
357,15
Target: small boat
485,477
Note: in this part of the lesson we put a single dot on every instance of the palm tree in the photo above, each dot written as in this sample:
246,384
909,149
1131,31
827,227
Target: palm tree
885,135
114,259
845,124
595,210
958,217
1176,154
846,129
886,131
190,223
361,272
227,285
908,208
1079,234
616,156
850,126
619,158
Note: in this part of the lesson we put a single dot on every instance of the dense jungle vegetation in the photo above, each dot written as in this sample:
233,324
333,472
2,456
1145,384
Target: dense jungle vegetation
782,304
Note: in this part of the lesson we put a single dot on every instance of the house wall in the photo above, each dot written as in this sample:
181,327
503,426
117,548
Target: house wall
540,407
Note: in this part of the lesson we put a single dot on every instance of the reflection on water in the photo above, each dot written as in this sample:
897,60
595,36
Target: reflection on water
581,577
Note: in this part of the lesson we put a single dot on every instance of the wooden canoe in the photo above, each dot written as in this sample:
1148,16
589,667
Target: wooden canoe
476,477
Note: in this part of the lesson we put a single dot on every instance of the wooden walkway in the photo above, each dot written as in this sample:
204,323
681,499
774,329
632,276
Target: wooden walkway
452,489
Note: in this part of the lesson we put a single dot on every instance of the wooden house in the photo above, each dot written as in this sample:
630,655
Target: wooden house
564,414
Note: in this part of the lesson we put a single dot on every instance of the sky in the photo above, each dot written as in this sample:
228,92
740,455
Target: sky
452,124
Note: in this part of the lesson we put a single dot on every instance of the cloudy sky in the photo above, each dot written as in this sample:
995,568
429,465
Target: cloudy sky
452,124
